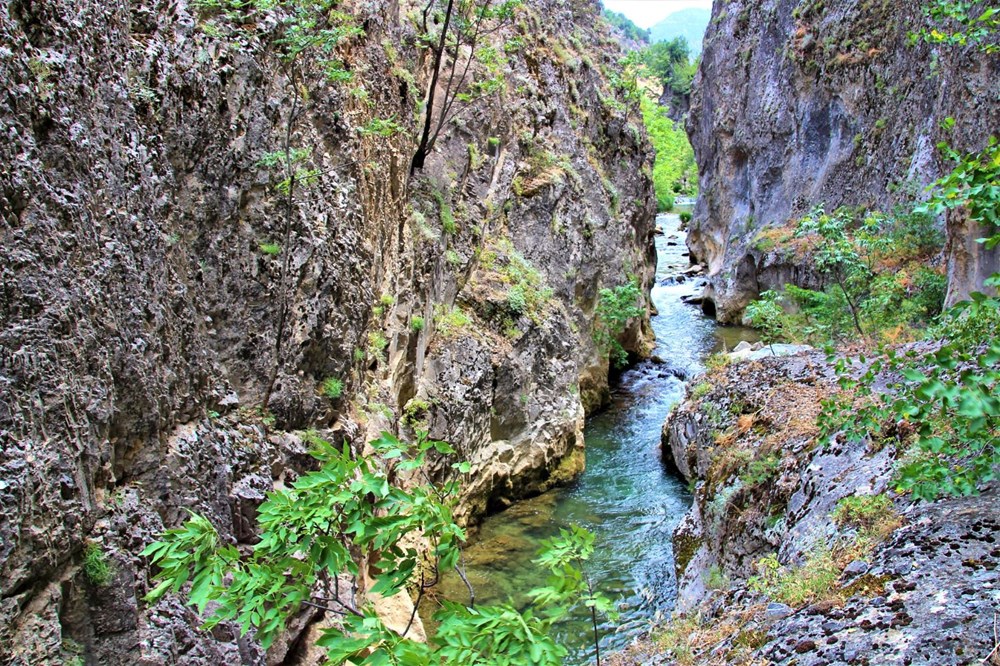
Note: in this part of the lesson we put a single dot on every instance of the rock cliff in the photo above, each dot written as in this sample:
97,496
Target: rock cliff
799,103
170,316
897,583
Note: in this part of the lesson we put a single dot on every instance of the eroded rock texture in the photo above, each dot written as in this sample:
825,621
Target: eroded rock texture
154,284
800,103
923,592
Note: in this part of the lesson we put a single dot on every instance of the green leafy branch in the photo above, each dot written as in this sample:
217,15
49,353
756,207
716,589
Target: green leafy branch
615,308
348,511
961,23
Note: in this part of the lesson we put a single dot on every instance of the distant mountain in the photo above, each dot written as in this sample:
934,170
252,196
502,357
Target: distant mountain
688,23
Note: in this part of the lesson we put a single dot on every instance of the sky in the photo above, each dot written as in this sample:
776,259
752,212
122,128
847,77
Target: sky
646,13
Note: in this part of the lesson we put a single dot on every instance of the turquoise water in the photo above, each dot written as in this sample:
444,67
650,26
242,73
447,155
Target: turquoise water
625,496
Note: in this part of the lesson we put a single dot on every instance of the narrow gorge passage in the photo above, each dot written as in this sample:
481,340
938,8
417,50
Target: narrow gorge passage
626,496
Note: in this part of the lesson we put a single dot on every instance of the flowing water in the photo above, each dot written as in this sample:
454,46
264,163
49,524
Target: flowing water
626,496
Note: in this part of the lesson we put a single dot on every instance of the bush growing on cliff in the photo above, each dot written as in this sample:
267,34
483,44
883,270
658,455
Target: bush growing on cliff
943,411
960,23
881,285
348,511
615,308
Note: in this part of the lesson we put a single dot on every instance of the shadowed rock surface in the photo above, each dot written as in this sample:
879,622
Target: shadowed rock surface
154,281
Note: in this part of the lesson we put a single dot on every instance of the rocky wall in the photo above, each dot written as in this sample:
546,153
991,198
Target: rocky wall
920,591
800,103
158,288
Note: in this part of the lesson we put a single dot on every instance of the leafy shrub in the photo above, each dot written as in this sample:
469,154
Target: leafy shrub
685,217
766,315
270,249
948,399
95,565
416,323
761,470
614,310
880,287
312,531
377,343
332,388
450,322
958,23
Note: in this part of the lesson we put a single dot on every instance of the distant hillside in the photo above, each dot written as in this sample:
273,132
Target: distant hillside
688,23
628,29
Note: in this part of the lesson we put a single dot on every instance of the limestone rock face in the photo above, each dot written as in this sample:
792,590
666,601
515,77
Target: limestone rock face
765,484
798,104
156,286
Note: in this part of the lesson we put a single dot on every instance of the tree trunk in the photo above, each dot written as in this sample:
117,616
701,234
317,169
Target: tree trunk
421,155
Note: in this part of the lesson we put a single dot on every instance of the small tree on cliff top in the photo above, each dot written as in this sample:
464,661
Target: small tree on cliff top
454,30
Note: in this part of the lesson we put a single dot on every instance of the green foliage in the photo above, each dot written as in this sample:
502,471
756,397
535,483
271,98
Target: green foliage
450,322
316,529
377,343
625,24
383,127
270,249
416,323
625,82
795,586
95,565
495,636
674,170
717,579
448,223
615,308
332,388
542,168
943,408
415,412
310,28
568,586
761,470
290,163
974,184
527,293
308,533
670,63
701,389
961,23
879,281
862,511
685,217
767,315
948,398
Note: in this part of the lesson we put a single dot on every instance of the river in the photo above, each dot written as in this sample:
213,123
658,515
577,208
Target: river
626,496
